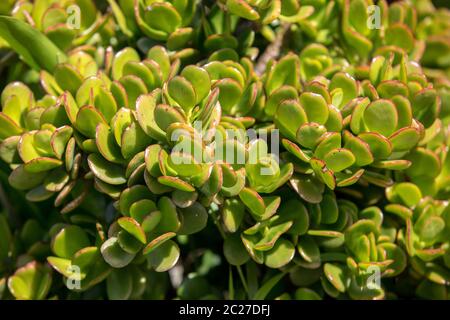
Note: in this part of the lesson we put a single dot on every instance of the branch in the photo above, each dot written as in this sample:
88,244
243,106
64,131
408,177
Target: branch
273,50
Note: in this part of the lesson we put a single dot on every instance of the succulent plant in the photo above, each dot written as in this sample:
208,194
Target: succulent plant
66,23
265,11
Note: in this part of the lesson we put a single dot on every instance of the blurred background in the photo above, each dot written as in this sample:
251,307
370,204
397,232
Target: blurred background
442,3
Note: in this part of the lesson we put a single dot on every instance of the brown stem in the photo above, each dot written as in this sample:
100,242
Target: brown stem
273,50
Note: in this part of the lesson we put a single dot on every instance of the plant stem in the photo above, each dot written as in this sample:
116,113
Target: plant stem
241,276
273,50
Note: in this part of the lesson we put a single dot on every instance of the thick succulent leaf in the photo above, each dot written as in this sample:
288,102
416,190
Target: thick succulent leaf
68,241
232,214
114,255
199,78
234,251
309,134
193,219
339,159
242,9
88,118
280,255
105,171
289,117
30,282
132,227
381,117
8,127
315,107
119,285
165,256
336,275
120,59
308,188
308,249
23,180
285,72
170,221
145,110
166,115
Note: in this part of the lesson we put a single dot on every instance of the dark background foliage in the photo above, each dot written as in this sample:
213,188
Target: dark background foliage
442,3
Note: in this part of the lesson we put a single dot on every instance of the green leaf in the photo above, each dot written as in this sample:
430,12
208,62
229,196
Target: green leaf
59,140
132,227
193,219
34,47
114,255
381,117
166,115
199,78
68,241
253,201
8,127
120,59
88,118
285,72
119,285
162,16
309,188
234,250
145,110
232,214
184,199
380,147
23,180
30,282
401,36
128,242
308,249
169,216
335,275
161,57
42,164
271,235
140,209
306,294
165,256
155,243
86,257
280,255
132,195
68,78
61,265
359,148
265,289
229,93
404,139
105,171
289,117
242,9
278,96
309,134
106,144
339,159
134,140
315,106
134,87
424,163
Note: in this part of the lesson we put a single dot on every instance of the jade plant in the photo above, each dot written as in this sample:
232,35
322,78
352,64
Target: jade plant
224,149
